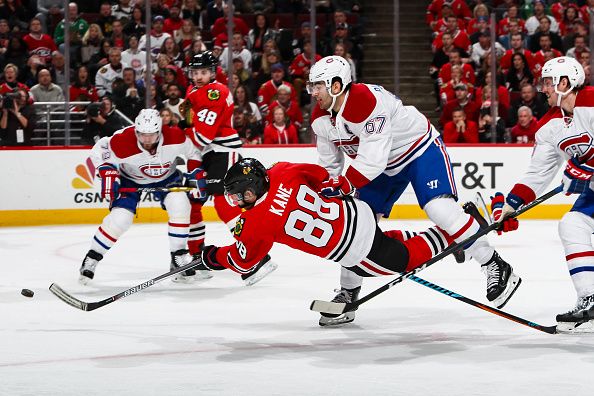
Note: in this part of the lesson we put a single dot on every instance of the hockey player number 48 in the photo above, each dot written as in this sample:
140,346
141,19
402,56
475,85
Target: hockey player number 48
207,117
313,230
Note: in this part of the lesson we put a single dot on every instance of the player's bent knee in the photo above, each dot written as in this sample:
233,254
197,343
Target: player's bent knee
575,227
446,213
178,207
117,221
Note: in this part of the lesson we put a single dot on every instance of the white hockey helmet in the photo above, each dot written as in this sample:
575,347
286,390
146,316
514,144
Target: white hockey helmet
328,68
564,66
148,121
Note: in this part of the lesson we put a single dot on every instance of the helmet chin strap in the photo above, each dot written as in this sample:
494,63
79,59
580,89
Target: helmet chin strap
334,96
560,95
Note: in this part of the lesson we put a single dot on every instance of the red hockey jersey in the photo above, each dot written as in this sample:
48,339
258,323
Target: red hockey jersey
294,214
212,107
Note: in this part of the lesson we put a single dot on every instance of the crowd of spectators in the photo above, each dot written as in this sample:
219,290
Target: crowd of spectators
270,46
528,33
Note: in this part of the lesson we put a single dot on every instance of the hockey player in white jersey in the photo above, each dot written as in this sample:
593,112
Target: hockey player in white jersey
565,136
143,155
391,146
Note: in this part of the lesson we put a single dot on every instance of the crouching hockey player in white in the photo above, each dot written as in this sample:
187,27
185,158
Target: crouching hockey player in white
392,146
143,155
565,135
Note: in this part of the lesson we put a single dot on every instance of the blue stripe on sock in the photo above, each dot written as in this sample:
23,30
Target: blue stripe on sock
178,235
580,269
101,243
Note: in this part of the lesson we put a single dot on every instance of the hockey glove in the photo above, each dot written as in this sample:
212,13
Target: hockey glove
338,186
197,180
501,208
110,182
209,259
576,178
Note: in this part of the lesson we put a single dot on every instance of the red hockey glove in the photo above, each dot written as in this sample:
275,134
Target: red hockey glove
576,178
338,186
110,182
500,209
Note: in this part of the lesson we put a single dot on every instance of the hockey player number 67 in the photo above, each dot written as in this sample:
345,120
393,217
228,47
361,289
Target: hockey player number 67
300,224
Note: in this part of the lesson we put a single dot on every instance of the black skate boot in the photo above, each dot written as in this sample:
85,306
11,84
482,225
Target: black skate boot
260,271
502,283
180,258
87,269
343,296
580,319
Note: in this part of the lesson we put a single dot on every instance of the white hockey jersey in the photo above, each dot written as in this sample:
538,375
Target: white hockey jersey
375,129
135,163
558,139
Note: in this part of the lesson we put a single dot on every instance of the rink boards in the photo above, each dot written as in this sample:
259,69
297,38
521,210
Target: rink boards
55,185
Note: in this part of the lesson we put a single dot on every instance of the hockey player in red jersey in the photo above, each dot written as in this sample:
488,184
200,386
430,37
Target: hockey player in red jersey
565,135
283,205
391,146
143,155
212,133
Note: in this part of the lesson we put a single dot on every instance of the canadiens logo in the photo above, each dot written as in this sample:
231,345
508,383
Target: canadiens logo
213,94
238,227
578,145
155,171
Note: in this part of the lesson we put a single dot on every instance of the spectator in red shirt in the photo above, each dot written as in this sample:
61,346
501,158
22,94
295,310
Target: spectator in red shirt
299,69
220,25
526,128
10,84
446,92
174,22
460,37
480,10
82,90
38,43
441,25
570,17
558,9
517,47
512,15
463,101
268,90
445,74
459,7
459,130
280,131
291,107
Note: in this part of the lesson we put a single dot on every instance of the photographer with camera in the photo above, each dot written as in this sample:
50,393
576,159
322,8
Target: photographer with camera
17,119
102,121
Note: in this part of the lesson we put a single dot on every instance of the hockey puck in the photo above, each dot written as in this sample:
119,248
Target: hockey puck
27,293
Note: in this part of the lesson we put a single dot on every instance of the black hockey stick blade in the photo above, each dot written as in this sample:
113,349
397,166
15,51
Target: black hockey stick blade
340,308
90,306
495,311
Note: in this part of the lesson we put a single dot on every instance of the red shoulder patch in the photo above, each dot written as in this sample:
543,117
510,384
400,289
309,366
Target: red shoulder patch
360,104
585,97
554,112
124,143
173,135
317,112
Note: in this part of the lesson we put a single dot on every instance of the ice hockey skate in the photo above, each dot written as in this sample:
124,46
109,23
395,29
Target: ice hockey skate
580,319
182,257
343,296
87,269
260,271
502,283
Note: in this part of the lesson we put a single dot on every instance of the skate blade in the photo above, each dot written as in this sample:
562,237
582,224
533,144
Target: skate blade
513,283
348,317
575,327
83,280
261,273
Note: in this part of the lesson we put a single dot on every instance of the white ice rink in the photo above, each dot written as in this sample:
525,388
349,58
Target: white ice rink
221,338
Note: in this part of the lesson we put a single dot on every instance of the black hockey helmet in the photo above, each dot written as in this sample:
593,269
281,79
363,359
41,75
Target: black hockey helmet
246,174
204,60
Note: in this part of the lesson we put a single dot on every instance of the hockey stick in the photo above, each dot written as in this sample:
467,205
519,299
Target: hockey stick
90,306
480,203
156,189
449,293
340,308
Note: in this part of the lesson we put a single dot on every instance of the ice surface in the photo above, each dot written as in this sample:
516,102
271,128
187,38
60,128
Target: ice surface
222,338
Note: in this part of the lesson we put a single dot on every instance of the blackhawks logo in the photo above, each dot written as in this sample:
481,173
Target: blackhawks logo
238,227
213,94
247,170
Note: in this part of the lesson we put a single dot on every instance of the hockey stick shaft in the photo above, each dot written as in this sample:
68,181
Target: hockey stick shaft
156,189
339,308
90,306
495,311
